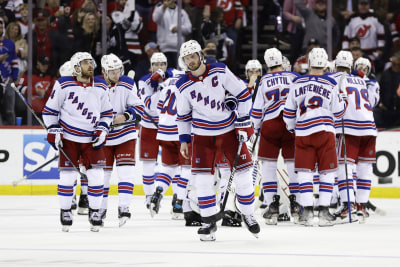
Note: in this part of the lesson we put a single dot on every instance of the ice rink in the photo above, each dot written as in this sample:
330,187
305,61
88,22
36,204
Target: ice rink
30,235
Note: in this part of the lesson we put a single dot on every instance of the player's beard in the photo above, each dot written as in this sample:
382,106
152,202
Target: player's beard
193,66
87,74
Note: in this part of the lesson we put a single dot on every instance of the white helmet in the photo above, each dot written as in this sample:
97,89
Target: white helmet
317,58
66,69
188,48
111,62
286,64
253,64
330,66
363,61
76,60
158,57
344,59
273,57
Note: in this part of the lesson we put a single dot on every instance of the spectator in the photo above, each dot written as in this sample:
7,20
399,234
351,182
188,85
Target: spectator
23,20
13,32
388,112
6,14
43,37
9,74
316,24
210,52
143,67
116,43
294,28
213,29
87,36
166,17
365,25
64,47
42,84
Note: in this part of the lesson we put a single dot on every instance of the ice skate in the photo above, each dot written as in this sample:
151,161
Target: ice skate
307,216
207,231
325,218
272,212
284,217
232,219
342,214
155,201
147,201
103,215
177,212
362,212
295,209
251,224
83,205
66,219
123,215
192,218
74,205
95,220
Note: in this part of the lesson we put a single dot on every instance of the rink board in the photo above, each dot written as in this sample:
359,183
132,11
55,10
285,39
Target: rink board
23,150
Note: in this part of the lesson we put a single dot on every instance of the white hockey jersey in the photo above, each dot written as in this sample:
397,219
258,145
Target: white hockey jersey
167,108
123,97
358,118
312,105
78,108
271,96
369,30
201,102
150,97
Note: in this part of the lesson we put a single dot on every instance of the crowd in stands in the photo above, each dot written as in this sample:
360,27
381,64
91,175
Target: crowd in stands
62,27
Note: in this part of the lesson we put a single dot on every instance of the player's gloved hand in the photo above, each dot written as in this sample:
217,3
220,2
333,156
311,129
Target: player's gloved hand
130,114
231,102
99,137
54,136
168,73
243,128
158,75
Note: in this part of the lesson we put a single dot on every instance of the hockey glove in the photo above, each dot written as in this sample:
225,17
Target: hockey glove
100,135
54,136
231,102
158,75
169,73
243,128
130,114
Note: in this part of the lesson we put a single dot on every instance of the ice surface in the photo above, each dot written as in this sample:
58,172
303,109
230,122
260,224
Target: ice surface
30,235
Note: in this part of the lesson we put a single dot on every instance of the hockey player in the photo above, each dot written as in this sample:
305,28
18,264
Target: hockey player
253,71
201,106
360,139
266,115
149,85
311,107
77,115
121,141
173,163
286,64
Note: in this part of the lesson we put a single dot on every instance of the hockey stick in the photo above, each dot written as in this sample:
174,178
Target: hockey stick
16,182
253,97
375,209
345,156
44,126
131,74
229,184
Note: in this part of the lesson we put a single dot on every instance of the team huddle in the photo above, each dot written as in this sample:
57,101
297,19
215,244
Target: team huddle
207,123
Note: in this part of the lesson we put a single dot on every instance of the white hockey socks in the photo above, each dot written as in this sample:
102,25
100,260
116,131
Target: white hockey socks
185,177
175,180
326,182
125,185
65,189
95,187
364,174
342,184
206,194
164,177
269,182
148,177
84,181
244,192
294,186
107,178
306,188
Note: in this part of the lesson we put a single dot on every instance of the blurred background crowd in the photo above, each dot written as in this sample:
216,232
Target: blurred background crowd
367,28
